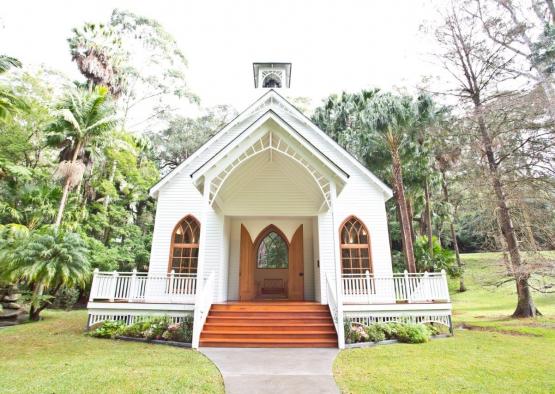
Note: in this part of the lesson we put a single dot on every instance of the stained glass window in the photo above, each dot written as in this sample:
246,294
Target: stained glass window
185,244
355,247
272,252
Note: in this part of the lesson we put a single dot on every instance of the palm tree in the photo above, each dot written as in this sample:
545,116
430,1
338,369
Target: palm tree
96,48
81,119
392,118
9,103
48,260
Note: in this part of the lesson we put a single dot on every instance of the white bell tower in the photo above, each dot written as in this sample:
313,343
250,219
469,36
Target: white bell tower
272,75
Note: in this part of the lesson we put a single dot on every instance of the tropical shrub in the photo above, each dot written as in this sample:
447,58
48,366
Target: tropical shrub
66,298
107,329
403,332
439,259
413,333
180,332
375,332
156,328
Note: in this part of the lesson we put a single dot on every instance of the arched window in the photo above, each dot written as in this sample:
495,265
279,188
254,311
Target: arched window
184,249
272,250
272,81
355,247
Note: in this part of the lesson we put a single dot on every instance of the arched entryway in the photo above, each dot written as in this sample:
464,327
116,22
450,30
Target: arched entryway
271,267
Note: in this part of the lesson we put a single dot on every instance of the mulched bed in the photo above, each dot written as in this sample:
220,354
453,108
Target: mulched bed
155,341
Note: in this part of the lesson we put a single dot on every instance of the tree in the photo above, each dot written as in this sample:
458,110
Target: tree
9,102
382,128
96,49
48,260
477,67
527,34
82,118
153,73
184,136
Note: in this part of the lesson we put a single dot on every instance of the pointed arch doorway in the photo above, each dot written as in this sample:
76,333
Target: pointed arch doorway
271,267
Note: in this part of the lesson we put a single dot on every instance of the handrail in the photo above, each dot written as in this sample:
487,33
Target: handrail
205,297
335,310
166,287
406,287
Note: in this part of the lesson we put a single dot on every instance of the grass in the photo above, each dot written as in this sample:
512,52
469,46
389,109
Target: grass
53,356
502,355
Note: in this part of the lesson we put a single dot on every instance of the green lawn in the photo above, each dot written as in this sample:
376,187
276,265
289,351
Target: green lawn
53,356
512,356
506,356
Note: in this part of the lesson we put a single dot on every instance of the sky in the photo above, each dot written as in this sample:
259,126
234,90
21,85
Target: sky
332,45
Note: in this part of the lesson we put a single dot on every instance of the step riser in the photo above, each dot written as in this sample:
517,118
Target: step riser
294,315
269,324
271,308
271,327
269,336
268,345
277,322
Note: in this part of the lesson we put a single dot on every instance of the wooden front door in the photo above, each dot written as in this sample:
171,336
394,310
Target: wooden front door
247,265
296,266
247,290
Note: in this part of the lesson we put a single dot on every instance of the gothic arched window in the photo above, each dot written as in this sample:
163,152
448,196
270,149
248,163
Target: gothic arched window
272,81
184,248
355,247
272,250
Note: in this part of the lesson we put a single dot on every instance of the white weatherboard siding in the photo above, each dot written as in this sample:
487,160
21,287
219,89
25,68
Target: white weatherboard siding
361,199
255,225
176,200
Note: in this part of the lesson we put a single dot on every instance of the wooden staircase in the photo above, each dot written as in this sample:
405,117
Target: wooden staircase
269,324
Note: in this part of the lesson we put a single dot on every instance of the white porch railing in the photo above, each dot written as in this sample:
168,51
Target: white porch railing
202,307
402,287
143,287
335,310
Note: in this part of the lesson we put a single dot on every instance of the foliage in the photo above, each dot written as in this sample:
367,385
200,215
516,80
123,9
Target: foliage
413,333
107,329
376,332
180,332
66,298
440,258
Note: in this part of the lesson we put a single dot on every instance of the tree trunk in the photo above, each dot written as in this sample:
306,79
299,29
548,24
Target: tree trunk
65,192
460,264
525,305
411,216
403,211
428,210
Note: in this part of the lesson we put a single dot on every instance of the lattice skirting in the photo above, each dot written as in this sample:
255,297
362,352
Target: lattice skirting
130,317
367,318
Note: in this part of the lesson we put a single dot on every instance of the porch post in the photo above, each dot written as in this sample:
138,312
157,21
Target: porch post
337,263
201,262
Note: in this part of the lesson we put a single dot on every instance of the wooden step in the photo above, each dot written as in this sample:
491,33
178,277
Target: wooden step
268,320
253,342
268,326
225,335
257,307
260,314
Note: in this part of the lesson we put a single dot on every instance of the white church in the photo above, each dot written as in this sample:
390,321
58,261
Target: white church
271,235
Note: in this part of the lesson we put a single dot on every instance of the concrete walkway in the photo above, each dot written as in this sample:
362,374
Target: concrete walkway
270,371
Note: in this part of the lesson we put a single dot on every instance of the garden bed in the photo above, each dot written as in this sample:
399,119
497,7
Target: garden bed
386,342
154,341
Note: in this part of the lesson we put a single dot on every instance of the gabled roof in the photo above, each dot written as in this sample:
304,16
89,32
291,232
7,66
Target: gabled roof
275,103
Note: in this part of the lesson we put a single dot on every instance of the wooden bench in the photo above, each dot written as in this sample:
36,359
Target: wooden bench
273,287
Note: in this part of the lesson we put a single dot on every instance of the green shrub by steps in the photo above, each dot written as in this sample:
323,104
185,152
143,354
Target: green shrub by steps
375,332
413,333
160,328
403,332
106,329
